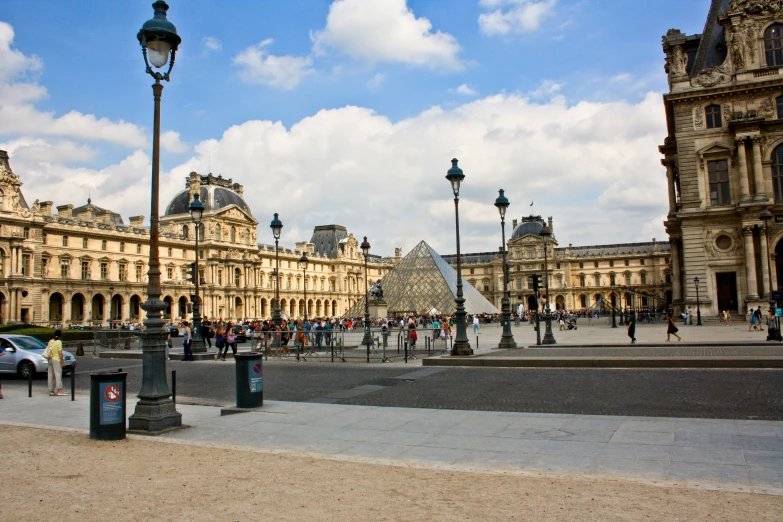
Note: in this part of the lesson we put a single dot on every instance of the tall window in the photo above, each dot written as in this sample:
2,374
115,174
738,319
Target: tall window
611,263
627,262
170,272
559,280
247,236
627,279
85,270
26,233
104,271
123,272
65,265
779,105
611,279
185,231
597,280
233,234
486,285
201,231
581,280
641,261
712,112
643,277
773,45
530,253
103,244
84,242
43,237
122,246
65,240
217,232
25,264
138,248
777,172
583,300
220,277
238,278
595,264
719,182
138,273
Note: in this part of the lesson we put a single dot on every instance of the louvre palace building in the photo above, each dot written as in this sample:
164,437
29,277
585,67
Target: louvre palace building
85,265
724,155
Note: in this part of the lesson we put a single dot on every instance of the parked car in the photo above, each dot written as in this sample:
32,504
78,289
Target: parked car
240,333
23,356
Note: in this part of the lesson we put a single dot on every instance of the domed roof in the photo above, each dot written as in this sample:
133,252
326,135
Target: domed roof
213,197
529,225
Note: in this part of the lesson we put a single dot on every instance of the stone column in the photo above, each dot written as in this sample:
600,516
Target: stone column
758,171
676,244
743,171
18,312
669,164
66,311
765,263
13,260
774,283
750,264
12,305
125,313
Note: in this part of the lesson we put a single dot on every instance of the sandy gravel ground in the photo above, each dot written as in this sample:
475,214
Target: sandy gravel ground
58,475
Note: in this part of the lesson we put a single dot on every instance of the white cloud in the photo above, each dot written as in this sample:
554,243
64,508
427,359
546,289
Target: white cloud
514,16
170,141
622,77
386,31
590,166
467,91
211,43
376,80
258,66
14,63
546,88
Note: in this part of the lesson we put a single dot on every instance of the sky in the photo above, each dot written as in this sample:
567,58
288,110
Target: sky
349,111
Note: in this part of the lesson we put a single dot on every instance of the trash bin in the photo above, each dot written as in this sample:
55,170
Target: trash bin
107,405
249,380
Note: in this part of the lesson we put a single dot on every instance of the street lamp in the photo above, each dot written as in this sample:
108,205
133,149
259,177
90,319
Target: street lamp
111,305
277,226
197,341
549,338
698,308
766,216
461,344
367,341
507,338
155,411
614,308
303,263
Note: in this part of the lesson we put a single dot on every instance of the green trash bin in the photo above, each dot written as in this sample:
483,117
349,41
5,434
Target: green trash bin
249,380
107,405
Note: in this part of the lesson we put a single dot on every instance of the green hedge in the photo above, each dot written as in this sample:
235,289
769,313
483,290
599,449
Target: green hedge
44,334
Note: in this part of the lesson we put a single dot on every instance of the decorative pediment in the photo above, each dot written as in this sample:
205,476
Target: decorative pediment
756,7
237,214
715,150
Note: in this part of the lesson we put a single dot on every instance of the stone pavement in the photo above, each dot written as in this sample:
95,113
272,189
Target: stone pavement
737,455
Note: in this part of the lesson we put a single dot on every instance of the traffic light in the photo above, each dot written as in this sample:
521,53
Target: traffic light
536,282
190,271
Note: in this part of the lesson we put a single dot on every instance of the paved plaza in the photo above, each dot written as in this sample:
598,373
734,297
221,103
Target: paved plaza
736,455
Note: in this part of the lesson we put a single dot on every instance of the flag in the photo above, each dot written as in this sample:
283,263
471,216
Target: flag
531,203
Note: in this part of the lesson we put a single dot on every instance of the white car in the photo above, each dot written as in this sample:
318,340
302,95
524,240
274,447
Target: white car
23,355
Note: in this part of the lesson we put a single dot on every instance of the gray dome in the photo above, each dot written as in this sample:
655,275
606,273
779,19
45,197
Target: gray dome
527,227
213,198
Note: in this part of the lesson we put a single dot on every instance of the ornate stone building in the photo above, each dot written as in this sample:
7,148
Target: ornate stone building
580,277
724,155
82,265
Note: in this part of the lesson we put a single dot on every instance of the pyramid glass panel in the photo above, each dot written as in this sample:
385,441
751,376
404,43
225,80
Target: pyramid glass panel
424,283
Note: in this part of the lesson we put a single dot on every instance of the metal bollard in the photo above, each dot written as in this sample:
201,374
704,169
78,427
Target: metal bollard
174,386
73,385
406,351
477,342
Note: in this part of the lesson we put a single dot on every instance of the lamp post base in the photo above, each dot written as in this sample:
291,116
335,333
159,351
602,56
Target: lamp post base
549,337
155,417
507,341
461,348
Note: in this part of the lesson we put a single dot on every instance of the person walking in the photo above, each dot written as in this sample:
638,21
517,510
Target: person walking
187,338
476,325
690,316
413,336
220,340
757,315
55,370
231,341
206,331
671,330
632,329
753,324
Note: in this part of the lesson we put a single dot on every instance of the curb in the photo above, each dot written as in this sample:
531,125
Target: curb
609,362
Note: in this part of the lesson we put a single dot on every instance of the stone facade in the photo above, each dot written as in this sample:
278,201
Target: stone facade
580,277
82,265
724,155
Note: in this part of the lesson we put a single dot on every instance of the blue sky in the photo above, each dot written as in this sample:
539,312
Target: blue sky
428,79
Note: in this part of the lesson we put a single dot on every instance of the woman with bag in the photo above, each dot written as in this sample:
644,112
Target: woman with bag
632,328
413,336
220,340
54,353
671,330
231,341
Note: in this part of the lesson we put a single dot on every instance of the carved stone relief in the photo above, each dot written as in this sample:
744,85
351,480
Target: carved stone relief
732,249
758,7
766,108
727,112
713,75
698,117
750,39
737,45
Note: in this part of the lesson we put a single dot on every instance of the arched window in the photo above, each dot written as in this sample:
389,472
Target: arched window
773,45
247,236
777,172
185,231
237,277
712,112
233,234
217,232
201,231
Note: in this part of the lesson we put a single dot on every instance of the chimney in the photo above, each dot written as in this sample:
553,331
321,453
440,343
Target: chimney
239,189
514,224
65,211
549,222
46,208
653,240
136,221
104,216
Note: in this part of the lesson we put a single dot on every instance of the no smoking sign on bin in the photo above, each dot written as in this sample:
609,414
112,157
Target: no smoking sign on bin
255,377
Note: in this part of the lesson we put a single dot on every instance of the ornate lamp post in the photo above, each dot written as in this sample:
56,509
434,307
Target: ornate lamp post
507,338
277,226
197,343
614,308
303,263
461,344
766,216
367,341
549,338
111,305
698,308
155,412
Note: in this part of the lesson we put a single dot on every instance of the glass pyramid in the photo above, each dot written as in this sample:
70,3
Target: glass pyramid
424,283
